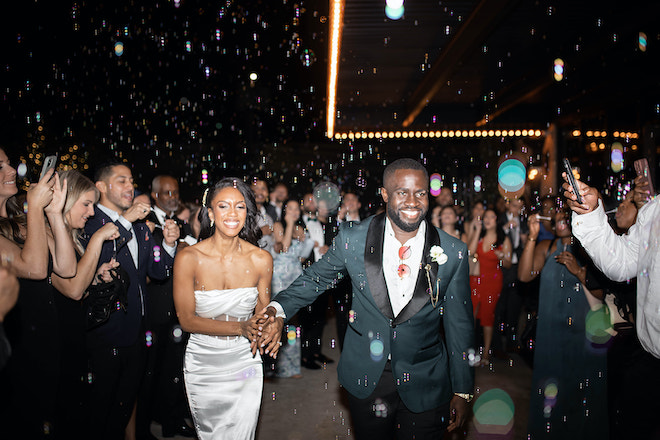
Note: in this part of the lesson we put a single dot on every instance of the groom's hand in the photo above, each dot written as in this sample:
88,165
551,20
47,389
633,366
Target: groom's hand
458,410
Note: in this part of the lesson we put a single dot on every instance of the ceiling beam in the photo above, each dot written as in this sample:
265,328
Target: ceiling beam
485,17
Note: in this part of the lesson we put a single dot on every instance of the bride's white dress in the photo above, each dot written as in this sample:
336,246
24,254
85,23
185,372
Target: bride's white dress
224,381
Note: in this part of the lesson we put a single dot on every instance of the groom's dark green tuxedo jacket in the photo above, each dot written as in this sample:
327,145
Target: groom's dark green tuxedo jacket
428,369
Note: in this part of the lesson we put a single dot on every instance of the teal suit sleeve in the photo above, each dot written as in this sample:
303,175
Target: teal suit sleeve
459,329
315,280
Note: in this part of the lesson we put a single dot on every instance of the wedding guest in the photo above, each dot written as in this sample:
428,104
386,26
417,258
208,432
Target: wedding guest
162,396
38,250
622,258
8,295
449,222
72,402
290,233
260,191
218,285
117,347
559,395
278,196
493,250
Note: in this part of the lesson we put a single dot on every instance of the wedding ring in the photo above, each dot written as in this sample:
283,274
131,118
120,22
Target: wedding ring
280,343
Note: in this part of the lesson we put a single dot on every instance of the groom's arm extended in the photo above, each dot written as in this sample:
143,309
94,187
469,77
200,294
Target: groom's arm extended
314,280
459,329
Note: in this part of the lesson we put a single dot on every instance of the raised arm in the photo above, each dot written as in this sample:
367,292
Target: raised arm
615,255
31,261
532,259
60,243
75,287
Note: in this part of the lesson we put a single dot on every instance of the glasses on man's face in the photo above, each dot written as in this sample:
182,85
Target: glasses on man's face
403,270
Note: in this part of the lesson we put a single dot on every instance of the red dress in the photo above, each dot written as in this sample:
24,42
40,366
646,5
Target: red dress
486,288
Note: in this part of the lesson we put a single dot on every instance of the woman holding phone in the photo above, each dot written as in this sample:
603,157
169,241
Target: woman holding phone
37,249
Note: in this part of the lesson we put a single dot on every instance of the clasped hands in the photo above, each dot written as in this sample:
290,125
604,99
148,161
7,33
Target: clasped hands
264,332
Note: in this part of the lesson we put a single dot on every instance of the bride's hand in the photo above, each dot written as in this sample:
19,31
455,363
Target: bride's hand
250,329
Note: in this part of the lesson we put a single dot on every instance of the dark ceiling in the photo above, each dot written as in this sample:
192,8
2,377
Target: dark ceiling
470,63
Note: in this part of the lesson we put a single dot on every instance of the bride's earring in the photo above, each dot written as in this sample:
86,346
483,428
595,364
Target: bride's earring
212,222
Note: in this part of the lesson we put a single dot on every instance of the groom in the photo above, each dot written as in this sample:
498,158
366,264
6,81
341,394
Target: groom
405,356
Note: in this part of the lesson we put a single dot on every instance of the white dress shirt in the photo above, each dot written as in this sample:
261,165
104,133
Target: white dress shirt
266,242
401,289
622,257
315,230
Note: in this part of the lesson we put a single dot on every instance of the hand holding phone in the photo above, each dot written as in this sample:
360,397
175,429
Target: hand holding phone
49,164
571,179
642,169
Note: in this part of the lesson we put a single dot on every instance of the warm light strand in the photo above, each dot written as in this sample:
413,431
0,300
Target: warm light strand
336,18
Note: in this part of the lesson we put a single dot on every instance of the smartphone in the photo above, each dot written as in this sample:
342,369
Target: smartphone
571,179
642,169
49,164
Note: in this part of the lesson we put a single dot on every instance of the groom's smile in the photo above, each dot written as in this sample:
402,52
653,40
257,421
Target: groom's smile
406,196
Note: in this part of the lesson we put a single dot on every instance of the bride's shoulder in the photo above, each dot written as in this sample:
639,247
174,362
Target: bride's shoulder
257,254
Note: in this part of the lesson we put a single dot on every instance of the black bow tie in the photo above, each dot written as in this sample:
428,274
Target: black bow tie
310,219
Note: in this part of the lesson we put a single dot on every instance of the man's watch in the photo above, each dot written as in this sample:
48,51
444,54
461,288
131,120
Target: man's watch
465,396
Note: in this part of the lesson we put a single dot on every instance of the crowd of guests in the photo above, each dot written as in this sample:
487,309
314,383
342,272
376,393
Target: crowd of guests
73,369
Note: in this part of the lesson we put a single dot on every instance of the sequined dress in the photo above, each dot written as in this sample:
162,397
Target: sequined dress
569,383
224,381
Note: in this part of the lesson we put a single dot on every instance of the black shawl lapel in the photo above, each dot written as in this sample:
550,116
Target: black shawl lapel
421,296
373,264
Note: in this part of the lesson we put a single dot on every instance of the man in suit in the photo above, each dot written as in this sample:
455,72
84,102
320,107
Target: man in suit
117,347
410,286
162,396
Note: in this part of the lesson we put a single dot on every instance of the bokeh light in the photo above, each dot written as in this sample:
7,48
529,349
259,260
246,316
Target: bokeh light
616,157
435,184
494,412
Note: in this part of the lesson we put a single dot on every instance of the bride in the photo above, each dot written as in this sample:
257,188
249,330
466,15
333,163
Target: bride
218,285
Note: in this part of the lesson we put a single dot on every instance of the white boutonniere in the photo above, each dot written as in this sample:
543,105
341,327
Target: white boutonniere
438,255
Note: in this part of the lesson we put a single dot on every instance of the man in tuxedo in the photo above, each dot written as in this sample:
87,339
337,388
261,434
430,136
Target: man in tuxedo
405,361
162,396
117,347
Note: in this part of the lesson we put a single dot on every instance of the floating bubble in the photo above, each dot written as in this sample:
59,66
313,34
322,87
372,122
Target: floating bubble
494,412
21,170
616,157
119,48
598,325
376,349
380,408
394,14
177,333
327,196
351,316
307,57
149,338
435,184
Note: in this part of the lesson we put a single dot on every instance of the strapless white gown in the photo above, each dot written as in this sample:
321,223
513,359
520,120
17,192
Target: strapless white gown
224,382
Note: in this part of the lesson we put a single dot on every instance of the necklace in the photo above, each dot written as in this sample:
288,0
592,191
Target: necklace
434,297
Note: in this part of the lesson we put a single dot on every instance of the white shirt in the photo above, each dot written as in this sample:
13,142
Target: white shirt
267,241
315,230
622,257
162,216
401,289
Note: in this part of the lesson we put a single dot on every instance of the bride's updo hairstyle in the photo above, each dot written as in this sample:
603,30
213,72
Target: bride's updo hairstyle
251,231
